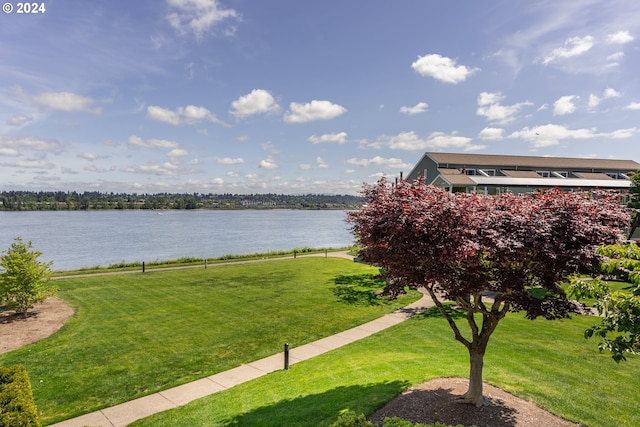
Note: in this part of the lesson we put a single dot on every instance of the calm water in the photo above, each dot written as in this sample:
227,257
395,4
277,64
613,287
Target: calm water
74,239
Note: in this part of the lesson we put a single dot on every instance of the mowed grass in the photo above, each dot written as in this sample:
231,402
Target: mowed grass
548,362
136,334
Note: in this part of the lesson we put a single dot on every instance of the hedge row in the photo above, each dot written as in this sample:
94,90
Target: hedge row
17,408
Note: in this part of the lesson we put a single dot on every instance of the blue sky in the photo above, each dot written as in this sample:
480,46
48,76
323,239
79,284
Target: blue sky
292,96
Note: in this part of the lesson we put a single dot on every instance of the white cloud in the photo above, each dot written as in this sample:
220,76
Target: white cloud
96,169
491,134
259,101
622,133
489,106
230,161
595,100
615,57
136,141
321,163
32,143
163,169
336,138
620,37
198,16
269,147
314,110
177,152
163,115
420,107
67,102
88,156
564,105
268,163
574,46
442,68
34,164
633,106
18,120
189,115
611,93
391,163
192,114
9,152
410,141
550,134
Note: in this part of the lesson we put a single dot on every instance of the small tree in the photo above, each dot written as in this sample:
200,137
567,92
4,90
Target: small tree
461,247
634,203
25,280
619,312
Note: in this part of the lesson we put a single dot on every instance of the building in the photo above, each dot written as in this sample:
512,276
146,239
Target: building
494,174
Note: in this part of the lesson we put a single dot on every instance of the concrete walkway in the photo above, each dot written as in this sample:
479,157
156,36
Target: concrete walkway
128,412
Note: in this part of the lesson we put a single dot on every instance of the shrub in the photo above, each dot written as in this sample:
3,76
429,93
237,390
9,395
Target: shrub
17,408
350,419
399,422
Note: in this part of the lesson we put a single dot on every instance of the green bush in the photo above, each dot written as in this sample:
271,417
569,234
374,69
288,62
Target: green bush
350,419
17,408
399,422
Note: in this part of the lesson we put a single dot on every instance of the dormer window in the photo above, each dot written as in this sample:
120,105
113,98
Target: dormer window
544,174
561,174
487,172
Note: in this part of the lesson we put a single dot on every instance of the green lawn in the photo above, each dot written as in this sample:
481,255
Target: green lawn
136,334
548,362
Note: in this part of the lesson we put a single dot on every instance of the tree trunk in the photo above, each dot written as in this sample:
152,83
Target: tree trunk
634,224
474,392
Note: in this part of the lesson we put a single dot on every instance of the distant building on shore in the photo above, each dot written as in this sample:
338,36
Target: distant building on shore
495,174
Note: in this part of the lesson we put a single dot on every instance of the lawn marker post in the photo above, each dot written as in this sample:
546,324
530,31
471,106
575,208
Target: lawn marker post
286,356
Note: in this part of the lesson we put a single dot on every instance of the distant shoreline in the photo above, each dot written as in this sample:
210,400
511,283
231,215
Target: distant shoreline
59,200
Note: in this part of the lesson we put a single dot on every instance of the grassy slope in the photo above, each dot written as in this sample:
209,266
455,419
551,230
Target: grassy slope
136,334
547,362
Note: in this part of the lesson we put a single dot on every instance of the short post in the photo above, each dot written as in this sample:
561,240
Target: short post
295,253
286,356
205,263
326,253
143,266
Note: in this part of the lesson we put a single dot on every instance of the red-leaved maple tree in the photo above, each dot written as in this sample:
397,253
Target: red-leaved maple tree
460,247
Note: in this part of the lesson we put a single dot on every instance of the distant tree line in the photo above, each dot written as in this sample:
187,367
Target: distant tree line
94,200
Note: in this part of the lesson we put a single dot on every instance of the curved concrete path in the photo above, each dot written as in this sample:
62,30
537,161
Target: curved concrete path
128,412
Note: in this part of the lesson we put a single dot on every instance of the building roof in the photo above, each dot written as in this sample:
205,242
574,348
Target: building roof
504,181
596,175
445,159
455,179
520,174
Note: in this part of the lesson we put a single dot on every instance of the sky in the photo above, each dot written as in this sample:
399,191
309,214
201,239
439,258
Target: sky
301,96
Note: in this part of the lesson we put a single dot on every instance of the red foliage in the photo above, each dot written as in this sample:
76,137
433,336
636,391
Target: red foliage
464,244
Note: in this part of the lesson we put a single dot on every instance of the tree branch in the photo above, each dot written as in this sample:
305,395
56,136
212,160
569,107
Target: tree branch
446,315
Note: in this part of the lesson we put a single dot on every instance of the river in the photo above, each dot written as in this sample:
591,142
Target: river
77,239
